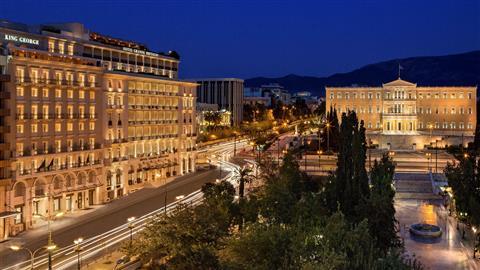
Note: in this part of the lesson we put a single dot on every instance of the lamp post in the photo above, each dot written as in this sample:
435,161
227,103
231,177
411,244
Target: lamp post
436,156
234,143
32,253
78,249
428,155
328,136
50,245
319,152
131,226
474,229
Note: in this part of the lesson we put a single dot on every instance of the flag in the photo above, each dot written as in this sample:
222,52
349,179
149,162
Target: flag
399,68
42,165
50,165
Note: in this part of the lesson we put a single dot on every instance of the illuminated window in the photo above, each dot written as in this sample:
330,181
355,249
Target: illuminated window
19,91
452,111
81,126
45,128
61,47
69,93
91,126
58,127
20,129
469,95
92,95
461,125
469,126
58,93
81,94
51,46
469,110
69,126
45,92
34,92
70,49
34,128
452,125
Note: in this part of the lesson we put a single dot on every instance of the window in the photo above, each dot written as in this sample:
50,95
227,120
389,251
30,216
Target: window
331,95
469,95
420,95
469,126
461,125
445,96
58,93
58,127
420,110
369,125
70,111
437,95
45,111
34,128
347,96
378,95
19,91
19,149
81,126
452,95
45,128
460,95
420,125
19,217
362,95
370,96
69,126
92,111
20,74
20,129
45,92
452,111
34,92
51,46
452,125
70,49
69,93
378,125
91,125
58,146
92,95
81,94
469,110
61,47
35,111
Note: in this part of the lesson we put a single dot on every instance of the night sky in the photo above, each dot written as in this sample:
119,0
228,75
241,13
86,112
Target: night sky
272,38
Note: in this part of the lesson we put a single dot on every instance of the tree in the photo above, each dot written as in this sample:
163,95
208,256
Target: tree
213,118
348,190
380,207
243,176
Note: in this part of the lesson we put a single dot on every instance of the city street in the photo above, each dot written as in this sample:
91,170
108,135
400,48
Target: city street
105,217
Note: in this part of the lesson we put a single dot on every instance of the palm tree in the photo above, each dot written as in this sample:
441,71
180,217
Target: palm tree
244,176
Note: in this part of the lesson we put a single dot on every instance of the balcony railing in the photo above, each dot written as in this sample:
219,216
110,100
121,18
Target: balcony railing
54,167
61,82
41,116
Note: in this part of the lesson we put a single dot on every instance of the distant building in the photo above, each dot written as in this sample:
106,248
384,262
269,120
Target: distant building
267,91
227,93
266,101
401,114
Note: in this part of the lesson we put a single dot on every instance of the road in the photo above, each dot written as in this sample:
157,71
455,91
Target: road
107,226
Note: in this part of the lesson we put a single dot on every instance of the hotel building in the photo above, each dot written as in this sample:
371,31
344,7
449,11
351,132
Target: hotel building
88,119
402,115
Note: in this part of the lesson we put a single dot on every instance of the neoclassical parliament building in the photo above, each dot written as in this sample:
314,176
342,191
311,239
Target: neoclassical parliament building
402,115
85,118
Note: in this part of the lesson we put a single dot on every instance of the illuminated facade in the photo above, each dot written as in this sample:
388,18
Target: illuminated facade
89,119
401,114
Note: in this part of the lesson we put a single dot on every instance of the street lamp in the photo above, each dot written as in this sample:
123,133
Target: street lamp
78,249
429,155
319,152
328,136
32,253
50,245
131,226
474,229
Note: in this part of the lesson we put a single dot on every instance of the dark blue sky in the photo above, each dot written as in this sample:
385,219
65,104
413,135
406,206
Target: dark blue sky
272,38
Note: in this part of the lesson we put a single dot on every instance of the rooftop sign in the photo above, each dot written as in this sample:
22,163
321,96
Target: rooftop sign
137,51
22,39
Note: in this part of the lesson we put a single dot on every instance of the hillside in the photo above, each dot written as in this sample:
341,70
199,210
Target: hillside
448,70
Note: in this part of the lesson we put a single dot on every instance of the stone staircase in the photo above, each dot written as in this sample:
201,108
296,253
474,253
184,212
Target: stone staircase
414,185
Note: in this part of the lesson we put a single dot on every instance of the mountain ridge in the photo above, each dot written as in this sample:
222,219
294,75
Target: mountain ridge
461,69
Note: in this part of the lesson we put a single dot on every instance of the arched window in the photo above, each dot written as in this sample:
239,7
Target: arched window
91,177
57,183
68,181
81,179
19,189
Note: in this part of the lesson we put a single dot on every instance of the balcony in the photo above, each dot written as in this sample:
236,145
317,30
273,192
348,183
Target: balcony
59,167
58,82
42,116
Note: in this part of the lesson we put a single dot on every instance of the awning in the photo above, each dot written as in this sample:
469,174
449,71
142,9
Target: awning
7,214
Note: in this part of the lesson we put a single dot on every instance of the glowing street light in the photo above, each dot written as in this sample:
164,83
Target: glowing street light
78,249
131,226
32,253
